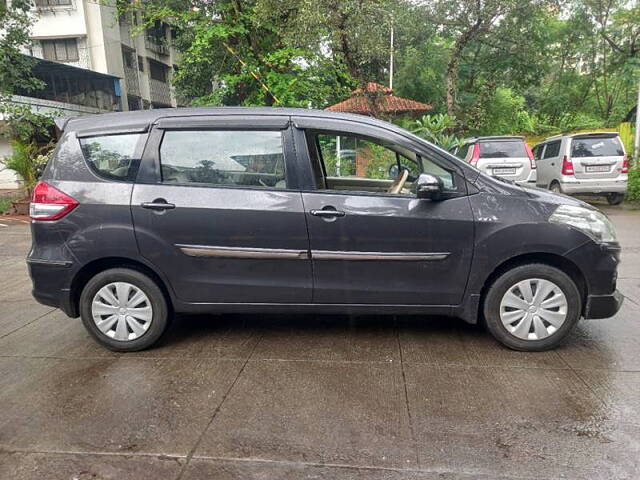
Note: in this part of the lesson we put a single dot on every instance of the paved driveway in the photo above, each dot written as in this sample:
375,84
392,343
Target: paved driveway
255,397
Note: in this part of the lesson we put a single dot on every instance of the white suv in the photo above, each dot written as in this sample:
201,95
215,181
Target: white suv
585,164
504,157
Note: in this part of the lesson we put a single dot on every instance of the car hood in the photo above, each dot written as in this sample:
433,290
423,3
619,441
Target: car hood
547,196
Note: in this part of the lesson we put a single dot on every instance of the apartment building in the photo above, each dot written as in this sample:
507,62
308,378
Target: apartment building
90,62
89,34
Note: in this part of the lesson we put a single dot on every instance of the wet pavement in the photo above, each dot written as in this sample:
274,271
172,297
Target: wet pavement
302,397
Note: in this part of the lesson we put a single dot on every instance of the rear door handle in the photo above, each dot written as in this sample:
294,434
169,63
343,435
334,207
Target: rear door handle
327,213
158,204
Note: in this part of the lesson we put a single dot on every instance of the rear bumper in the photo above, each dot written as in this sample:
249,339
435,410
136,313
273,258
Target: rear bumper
603,306
51,284
594,186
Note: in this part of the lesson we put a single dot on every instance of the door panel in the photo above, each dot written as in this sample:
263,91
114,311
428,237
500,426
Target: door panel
225,244
389,249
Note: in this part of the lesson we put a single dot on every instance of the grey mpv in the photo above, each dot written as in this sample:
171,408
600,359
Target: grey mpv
144,214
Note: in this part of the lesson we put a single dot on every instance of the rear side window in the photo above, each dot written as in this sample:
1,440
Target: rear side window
596,147
216,157
462,153
503,149
114,157
552,150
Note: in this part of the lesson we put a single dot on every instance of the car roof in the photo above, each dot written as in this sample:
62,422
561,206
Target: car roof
138,118
579,135
497,138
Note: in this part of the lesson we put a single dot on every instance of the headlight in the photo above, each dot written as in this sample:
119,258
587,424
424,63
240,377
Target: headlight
593,223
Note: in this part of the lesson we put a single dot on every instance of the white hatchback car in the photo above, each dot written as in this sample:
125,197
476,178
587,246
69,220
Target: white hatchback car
500,156
585,164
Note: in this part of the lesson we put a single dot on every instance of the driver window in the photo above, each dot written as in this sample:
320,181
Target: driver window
361,164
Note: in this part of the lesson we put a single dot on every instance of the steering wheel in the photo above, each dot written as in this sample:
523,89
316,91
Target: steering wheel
399,182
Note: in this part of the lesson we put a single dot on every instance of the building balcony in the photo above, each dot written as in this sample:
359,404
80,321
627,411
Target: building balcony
160,93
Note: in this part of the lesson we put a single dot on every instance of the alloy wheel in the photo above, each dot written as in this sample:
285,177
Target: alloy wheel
122,311
533,309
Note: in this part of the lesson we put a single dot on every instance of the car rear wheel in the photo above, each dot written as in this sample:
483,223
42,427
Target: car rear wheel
532,307
555,187
615,198
124,310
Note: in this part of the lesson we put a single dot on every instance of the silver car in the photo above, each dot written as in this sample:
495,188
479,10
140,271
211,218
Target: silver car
505,157
585,164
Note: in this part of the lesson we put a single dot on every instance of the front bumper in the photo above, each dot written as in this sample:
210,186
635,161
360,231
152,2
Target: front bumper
603,306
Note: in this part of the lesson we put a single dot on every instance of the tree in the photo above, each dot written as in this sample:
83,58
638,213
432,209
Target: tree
466,21
15,68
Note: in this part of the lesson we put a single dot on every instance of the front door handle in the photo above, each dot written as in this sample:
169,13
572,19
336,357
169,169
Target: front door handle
158,204
327,213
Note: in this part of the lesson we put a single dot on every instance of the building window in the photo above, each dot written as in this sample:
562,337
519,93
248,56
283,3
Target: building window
128,57
141,63
158,71
52,3
61,50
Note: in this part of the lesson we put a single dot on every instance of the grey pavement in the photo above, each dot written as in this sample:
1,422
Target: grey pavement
306,397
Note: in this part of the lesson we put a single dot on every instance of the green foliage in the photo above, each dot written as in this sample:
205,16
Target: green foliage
15,68
633,188
25,125
435,128
27,161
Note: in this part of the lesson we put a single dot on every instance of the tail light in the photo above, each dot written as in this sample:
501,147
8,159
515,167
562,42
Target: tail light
530,155
567,166
49,203
625,164
475,154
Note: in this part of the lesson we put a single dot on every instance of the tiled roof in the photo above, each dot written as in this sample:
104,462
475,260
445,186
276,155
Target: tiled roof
378,99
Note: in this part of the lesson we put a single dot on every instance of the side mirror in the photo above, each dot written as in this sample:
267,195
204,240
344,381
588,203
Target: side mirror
429,186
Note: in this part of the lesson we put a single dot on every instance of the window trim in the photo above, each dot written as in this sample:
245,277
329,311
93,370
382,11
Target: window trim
137,158
310,158
151,167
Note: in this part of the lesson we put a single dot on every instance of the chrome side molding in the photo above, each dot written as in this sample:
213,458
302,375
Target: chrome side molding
289,254
368,256
243,252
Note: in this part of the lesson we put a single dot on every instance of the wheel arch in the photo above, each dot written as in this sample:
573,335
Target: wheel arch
89,270
551,259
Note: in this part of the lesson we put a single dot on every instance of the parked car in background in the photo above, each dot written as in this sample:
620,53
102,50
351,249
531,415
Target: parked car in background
142,214
505,157
585,164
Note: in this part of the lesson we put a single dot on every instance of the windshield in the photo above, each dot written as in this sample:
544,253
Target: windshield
503,149
596,147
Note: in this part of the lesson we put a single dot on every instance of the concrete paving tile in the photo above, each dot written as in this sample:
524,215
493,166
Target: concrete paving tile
519,422
14,243
611,343
157,406
257,470
323,412
630,262
54,466
449,341
57,335
18,313
337,338
205,336
630,288
619,390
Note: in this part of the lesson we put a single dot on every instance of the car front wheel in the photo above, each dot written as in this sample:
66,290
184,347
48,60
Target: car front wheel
532,307
124,309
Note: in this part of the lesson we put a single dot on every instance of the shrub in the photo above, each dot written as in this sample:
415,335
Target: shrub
27,162
633,189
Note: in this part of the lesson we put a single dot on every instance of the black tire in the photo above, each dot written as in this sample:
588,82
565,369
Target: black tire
159,317
615,198
555,187
506,281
